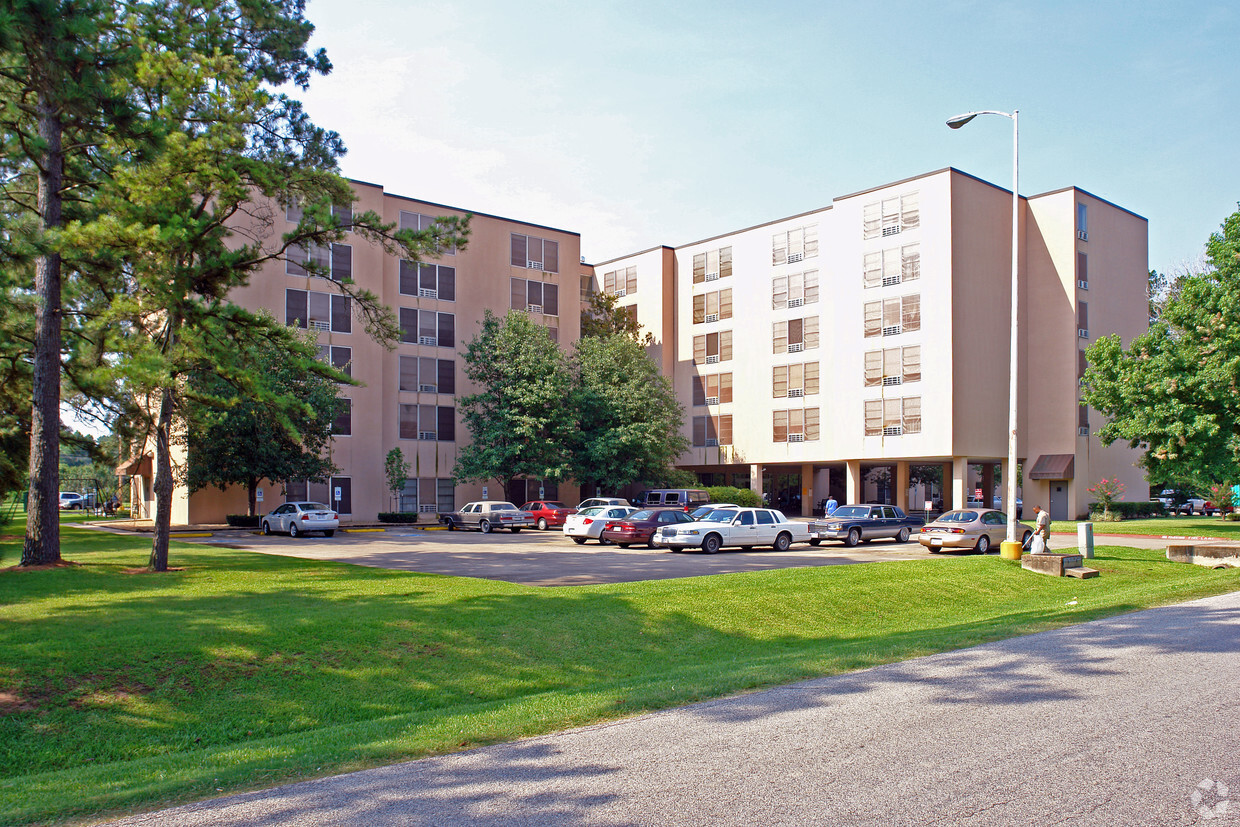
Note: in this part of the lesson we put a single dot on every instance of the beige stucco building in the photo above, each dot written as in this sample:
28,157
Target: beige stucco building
860,350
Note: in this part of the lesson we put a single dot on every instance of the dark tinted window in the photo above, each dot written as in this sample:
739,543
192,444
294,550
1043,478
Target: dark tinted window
765,518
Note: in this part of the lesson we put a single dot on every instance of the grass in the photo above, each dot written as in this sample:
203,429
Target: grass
122,690
1162,526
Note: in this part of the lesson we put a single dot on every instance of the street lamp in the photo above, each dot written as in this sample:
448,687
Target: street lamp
1010,548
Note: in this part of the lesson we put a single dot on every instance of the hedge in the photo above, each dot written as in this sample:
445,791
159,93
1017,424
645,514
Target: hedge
399,516
1129,510
737,496
243,520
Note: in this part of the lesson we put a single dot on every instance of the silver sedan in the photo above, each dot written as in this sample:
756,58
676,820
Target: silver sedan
296,518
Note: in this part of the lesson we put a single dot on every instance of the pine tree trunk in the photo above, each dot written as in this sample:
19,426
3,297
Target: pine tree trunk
163,483
251,489
42,544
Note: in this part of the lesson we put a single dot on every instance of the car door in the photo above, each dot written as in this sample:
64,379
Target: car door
890,521
995,526
768,526
282,517
744,530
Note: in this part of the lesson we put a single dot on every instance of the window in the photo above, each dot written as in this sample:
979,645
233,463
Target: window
791,246
1082,222
427,327
420,223
1082,320
892,266
790,381
342,425
795,425
893,417
714,389
428,495
795,335
587,288
712,307
323,492
341,358
712,348
1082,409
890,317
893,366
535,296
427,374
1082,271
429,281
343,213
890,216
712,264
794,290
318,311
709,431
620,282
334,261
535,253
428,422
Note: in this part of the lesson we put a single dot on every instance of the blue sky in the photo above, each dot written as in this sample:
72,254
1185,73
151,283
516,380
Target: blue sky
639,123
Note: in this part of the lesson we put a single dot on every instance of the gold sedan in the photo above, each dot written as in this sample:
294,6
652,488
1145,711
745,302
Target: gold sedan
975,528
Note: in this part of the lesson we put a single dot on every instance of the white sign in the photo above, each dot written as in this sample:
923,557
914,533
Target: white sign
258,495
484,492
337,493
542,492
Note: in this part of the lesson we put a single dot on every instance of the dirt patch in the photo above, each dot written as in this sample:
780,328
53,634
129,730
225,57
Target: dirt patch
10,703
59,564
146,570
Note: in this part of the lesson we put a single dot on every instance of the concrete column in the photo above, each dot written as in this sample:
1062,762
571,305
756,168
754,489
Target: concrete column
755,479
852,483
902,486
960,482
988,484
807,490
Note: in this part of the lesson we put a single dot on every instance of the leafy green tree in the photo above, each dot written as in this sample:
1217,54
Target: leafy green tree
601,318
396,471
278,426
518,419
629,422
1175,390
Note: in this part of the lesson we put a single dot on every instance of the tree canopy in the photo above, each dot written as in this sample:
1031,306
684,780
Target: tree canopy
1175,390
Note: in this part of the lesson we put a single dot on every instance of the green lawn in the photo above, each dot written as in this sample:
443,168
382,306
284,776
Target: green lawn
122,690
1162,526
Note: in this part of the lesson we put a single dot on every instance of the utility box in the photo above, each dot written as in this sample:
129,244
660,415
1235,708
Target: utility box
1085,539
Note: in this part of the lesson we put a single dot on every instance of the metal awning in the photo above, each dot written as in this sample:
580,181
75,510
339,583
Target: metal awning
1053,467
136,467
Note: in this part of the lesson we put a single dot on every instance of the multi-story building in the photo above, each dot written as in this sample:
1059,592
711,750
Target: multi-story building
860,350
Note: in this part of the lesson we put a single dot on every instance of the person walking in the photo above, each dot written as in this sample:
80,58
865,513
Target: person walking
831,505
1042,531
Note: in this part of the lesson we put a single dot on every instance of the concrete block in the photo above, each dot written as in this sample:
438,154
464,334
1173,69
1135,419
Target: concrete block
1052,564
1082,572
1212,554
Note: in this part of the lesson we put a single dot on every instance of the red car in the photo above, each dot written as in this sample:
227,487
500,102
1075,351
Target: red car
547,513
639,527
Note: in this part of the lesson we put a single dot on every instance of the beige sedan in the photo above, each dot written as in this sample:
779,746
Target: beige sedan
975,528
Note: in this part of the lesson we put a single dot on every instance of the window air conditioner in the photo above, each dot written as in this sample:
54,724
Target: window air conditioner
796,437
533,308
793,258
1083,430
890,281
893,330
892,380
428,340
796,347
317,325
712,317
621,292
426,435
712,442
1082,333
1082,235
796,392
893,430
796,302
712,400
712,277
533,265
892,230
712,358
426,509
1081,283
428,293
428,389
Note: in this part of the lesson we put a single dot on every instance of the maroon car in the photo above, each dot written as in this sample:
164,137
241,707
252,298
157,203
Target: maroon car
639,527
548,513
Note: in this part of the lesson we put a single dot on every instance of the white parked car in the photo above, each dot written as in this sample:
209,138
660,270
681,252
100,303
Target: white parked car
744,527
594,502
70,500
588,524
297,518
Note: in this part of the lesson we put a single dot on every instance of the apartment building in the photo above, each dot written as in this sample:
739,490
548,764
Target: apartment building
862,350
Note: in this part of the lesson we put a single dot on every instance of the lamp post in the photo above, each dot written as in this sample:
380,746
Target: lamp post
1010,548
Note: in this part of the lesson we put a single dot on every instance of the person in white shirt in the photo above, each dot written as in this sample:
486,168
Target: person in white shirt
1043,528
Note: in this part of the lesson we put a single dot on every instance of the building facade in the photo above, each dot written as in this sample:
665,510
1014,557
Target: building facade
859,351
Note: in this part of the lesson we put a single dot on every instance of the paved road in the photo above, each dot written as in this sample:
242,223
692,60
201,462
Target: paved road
1115,722
550,559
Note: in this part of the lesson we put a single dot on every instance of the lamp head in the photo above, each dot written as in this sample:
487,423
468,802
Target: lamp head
961,120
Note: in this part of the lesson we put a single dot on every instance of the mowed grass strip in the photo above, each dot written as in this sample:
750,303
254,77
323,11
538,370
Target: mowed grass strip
123,690
1169,526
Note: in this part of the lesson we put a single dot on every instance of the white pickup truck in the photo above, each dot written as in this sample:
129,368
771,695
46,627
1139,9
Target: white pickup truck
744,527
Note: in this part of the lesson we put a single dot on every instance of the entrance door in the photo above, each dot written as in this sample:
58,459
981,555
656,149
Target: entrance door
1059,500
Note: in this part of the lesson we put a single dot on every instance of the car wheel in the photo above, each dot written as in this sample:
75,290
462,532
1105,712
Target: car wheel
266,527
783,542
581,541
1024,538
711,544
603,541
854,537
983,545
815,541
331,532
902,537
515,530
485,526
451,525
292,529
542,523
623,545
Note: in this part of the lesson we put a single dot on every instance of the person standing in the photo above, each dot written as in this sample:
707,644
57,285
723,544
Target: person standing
831,505
1043,528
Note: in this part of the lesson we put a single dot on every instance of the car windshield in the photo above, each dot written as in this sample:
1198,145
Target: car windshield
851,512
645,514
591,511
958,517
720,515
314,507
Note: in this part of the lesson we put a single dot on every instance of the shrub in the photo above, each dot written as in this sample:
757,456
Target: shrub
398,516
243,520
740,496
1128,510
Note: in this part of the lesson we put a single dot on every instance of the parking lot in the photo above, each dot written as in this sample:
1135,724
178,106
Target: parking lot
547,558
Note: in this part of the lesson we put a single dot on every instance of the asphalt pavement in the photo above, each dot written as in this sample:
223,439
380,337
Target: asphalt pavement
1125,721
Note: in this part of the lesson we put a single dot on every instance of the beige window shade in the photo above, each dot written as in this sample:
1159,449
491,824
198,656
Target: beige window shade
910,262
912,414
779,382
811,331
871,221
779,248
912,363
911,312
699,350
609,282
630,277
873,368
811,241
725,346
796,377
811,378
725,262
873,315
892,365
725,387
872,270
893,412
712,385
712,304
796,421
910,210
712,261
779,292
699,268
873,417
699,308
779,337
811,286
811,424
725,303
891,312
891,265
724,429
796,242
780,429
